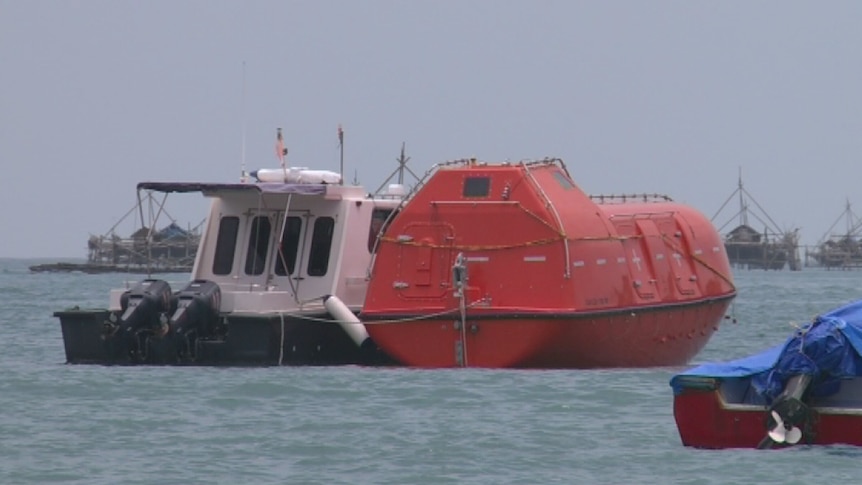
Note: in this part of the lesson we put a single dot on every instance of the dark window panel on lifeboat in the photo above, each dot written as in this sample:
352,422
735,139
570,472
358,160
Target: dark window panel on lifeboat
477,186
564,181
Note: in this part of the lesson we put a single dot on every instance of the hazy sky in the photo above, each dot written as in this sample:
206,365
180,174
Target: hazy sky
636,96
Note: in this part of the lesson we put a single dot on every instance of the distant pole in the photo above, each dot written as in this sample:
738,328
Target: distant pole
341,149
743,207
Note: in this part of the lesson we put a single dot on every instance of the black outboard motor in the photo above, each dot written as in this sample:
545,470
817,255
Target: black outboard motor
196,314
143,308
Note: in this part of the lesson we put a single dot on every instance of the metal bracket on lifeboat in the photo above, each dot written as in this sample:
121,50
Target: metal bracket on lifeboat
459,280
459,275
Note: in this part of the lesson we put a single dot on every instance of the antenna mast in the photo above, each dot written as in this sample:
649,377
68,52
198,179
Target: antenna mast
341,149
402,166
243,177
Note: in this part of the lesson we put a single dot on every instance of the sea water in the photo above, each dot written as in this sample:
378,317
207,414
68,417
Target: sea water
76,424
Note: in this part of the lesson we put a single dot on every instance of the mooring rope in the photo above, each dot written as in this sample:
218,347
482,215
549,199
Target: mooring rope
281,345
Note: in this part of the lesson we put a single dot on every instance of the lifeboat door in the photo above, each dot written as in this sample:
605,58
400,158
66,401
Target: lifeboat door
658,253
681,259
635,256
424,262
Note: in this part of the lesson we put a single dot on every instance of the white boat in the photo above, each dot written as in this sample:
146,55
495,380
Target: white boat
280,273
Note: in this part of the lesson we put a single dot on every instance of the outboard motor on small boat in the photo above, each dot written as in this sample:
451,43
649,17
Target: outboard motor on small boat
788,415
195,315
143,308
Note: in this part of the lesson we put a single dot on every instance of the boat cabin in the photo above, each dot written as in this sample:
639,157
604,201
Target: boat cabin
275,246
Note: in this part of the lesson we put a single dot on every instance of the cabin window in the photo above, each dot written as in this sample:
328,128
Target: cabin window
378,220
321,242
225,245
564,181
477,186
289,246
258,243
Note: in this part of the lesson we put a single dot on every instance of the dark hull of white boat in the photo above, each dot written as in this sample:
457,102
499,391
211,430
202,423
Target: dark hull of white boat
243,340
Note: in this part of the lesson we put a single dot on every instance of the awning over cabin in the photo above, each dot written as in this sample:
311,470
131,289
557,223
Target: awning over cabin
208,188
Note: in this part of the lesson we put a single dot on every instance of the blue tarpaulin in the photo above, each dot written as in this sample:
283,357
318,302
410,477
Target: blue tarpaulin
828,349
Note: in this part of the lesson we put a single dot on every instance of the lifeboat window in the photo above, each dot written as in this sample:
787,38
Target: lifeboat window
321,242
289,246
378,220
563,180
225,245
477,186
258,242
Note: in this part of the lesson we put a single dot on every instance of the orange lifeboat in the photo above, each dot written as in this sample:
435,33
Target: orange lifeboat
513,265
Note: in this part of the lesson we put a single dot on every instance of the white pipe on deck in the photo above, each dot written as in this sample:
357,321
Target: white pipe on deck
348,321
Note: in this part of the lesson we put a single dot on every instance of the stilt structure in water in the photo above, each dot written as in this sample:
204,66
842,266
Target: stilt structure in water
750,248
840,250
147,250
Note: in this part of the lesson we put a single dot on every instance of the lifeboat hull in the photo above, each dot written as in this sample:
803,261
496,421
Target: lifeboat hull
513,266
634,338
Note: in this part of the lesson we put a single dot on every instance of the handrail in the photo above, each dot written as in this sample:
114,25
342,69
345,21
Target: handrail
644,197
550,205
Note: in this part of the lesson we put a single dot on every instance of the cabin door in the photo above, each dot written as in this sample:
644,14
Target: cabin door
288,250
253,249
303,258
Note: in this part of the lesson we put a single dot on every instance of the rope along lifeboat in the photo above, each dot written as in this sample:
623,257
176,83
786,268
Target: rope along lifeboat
513,265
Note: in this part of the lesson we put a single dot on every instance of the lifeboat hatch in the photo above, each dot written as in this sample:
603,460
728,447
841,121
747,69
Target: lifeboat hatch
424,262
681,261
658,254
635,257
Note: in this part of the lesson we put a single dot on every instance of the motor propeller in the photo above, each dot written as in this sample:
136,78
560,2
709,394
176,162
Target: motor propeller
784,432
787,411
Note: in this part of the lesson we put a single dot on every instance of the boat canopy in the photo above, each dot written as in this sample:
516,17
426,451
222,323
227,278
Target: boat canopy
261,187
828,349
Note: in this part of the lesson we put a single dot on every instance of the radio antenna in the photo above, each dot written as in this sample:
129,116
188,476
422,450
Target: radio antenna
341,150
243,176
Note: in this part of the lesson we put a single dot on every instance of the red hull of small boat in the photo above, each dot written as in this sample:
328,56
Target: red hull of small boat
639,338
705,421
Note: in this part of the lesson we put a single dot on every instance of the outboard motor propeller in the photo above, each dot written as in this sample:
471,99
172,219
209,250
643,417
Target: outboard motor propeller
787,414
143,308
195,315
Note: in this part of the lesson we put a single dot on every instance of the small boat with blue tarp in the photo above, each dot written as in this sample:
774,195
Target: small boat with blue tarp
807,390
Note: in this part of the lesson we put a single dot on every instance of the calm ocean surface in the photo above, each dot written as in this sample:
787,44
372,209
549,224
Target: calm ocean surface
152,425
